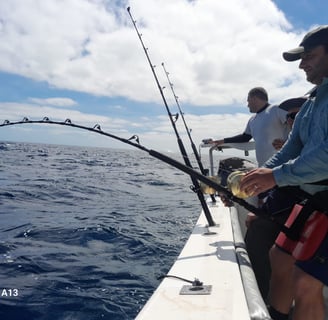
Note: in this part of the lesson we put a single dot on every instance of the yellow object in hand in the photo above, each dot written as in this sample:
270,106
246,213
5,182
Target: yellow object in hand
233,183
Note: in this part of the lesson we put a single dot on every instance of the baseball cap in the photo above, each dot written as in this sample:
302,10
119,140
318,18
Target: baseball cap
316,37
292,103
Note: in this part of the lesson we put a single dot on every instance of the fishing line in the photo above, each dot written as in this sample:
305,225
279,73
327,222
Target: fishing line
200,165
196,186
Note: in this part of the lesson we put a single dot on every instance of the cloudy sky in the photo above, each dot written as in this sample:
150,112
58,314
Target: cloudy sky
82,60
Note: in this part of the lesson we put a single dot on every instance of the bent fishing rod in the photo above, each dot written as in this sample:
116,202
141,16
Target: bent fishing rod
196,186
134,142
292,232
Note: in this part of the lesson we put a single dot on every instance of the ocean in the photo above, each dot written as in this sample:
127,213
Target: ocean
85,232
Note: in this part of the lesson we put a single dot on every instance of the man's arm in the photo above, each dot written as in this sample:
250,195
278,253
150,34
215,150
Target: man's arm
244,137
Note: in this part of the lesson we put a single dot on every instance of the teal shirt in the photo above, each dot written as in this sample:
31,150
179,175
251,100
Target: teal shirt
304,157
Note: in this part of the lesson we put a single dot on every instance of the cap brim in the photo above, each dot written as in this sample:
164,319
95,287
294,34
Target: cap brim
292,103
294,54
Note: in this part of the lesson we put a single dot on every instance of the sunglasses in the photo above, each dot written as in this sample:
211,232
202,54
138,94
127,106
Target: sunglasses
291,115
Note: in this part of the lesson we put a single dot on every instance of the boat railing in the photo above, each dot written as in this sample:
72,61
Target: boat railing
256,305
244,146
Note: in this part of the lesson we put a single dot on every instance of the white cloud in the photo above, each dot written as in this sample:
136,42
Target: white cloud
215,50
58,102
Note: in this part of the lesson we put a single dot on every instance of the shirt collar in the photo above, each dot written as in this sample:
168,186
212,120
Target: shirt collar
263,108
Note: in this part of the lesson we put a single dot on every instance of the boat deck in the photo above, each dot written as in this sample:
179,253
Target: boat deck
218,258
210,256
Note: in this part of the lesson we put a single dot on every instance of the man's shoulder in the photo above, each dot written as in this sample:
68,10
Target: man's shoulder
274,108
252,117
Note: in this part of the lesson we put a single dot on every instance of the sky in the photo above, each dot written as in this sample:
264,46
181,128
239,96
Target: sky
82,60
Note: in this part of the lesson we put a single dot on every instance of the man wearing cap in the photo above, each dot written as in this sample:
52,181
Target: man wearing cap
301,162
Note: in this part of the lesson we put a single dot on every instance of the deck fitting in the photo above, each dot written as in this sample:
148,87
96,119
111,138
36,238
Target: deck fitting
196,290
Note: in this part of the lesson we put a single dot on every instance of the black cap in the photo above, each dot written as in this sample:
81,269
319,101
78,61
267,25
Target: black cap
292,103
316,37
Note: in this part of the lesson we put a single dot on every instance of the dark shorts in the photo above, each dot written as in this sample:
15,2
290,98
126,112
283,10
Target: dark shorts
317,266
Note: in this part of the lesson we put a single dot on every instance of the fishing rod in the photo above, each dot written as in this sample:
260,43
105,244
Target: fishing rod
134,142
184,122
200,165
196,186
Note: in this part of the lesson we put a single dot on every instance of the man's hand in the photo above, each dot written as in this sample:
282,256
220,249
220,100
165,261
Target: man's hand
278,143
257,181
216,142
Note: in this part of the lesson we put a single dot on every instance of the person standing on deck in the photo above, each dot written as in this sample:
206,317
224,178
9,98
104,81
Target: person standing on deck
262,232
268,123
301,162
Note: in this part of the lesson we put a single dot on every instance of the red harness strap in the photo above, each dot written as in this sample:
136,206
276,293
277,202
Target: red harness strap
311,235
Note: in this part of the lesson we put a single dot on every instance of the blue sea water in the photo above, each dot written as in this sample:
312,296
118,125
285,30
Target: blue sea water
85,232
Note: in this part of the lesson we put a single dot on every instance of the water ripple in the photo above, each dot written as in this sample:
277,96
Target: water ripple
85,232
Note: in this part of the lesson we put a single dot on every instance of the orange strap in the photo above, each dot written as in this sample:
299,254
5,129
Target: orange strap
312,234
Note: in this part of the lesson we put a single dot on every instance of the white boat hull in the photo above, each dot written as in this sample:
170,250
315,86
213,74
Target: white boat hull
210,255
